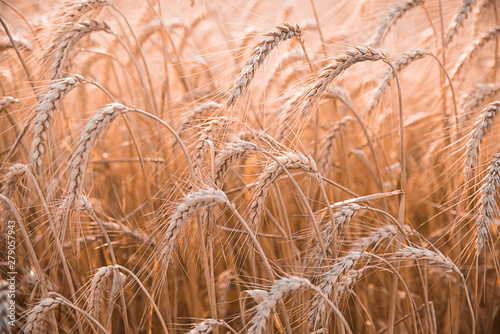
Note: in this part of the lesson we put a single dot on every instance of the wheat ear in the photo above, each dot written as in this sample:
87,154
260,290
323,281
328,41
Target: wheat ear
10,180
201,110
484,123
399,64
191,203
475,98
272,173
69,17
21,43
342,218
94,127
328,283
212,127
434,258
73,36
473,49
330,140
45,112
281,289
228,157
487,208
270,41
314,93
458,21
387,232
6,102
97,290
36,316
208,325
390,20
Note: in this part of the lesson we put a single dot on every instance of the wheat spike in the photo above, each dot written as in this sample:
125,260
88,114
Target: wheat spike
487,208
191,203
94,127
281,289
314,93
399,64
458,21
475,98
272,39
45,112
484,123
73,36
272,173
390,20
473,49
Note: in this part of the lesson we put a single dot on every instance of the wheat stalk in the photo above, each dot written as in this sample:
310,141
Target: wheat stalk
207,326
346,282
434,258
73,36
45,111
487,208
483,124
390,20
271,174
71,14
264,47
342,218
21,43
212,127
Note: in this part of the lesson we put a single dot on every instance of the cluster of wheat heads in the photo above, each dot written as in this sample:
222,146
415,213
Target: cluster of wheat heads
250,166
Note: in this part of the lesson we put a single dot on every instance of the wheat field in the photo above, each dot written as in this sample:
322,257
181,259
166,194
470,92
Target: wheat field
250,167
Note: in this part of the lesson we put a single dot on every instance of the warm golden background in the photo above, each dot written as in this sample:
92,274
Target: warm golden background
237,166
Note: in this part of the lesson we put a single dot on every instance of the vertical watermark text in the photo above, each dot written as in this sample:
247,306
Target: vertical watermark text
12,273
